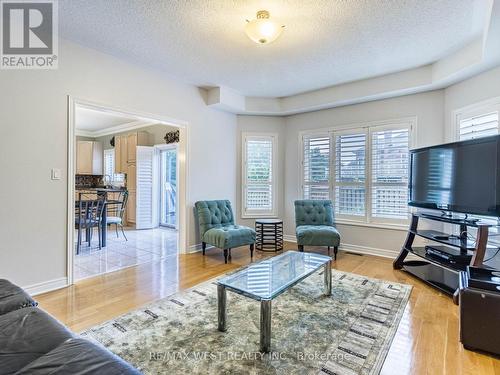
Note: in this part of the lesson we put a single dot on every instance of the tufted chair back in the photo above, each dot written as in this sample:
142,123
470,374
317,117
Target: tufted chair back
213,214
313,212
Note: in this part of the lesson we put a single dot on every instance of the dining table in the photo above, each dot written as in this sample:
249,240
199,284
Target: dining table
102,193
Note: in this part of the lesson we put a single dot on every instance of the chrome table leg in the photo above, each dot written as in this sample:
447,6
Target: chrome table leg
265,326
221,307
328,278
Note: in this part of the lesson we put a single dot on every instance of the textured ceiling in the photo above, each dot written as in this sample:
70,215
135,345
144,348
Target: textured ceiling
92,120
326,42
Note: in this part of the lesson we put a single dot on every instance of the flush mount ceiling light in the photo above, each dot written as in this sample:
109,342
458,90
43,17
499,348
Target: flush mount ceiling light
263,30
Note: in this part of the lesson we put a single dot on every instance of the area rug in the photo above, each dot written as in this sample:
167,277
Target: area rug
348,333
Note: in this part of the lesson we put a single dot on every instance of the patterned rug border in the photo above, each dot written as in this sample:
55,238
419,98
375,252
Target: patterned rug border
407,289
394,328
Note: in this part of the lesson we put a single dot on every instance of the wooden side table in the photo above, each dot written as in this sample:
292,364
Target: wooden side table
269,234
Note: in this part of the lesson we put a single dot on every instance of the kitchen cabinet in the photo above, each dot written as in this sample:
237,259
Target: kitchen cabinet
125,162
131,206
125,149
121,154
132,177
136,139
89,156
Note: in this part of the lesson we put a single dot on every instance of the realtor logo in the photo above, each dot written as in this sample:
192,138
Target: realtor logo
28,34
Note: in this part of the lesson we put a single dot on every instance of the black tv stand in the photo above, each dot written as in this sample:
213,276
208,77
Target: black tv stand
438,271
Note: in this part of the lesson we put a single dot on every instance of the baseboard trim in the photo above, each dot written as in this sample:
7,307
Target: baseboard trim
46,286
197,248
365,250
386,253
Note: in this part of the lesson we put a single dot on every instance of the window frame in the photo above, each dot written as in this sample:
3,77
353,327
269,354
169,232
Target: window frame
368,128
259,213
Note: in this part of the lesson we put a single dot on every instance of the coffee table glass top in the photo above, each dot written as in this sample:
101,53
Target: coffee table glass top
269,278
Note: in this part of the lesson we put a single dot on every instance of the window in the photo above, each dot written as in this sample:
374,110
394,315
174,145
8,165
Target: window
350,174
316,166
369,177
259,169
109,167
478,126
390,173
477,121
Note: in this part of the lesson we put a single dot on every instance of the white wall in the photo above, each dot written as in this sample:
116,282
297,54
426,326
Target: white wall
427,107
262,124
33,139
473,90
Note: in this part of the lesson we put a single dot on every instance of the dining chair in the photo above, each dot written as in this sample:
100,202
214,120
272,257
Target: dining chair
116,213
88,215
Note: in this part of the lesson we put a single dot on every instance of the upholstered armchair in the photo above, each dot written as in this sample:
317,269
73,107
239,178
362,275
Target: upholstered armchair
217,228
314,221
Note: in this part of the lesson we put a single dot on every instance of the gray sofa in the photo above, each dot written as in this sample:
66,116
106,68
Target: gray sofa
32,342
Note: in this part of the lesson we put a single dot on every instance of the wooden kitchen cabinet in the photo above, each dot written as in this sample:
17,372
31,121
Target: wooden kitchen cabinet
131,206
132,177
89,156
121,154
136,139
126,148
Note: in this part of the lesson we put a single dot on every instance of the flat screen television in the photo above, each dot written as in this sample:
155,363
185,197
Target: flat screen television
459,177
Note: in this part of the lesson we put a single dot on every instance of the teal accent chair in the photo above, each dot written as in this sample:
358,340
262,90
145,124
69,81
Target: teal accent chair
315,226
217,228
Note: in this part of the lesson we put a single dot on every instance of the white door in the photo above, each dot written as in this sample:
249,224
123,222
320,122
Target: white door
146,211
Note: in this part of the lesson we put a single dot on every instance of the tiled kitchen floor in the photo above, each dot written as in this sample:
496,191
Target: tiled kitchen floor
142,246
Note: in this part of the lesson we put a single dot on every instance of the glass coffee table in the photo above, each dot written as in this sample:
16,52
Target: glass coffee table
265,280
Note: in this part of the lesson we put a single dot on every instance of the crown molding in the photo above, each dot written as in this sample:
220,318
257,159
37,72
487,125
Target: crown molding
128,126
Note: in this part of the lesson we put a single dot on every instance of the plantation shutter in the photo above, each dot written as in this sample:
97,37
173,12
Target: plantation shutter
258,188
390,149
479,126
109,162
145,187
316,160
109,167
350,173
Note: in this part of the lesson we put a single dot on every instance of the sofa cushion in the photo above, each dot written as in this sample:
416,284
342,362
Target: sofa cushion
78,357
12,297
27,334
317,235
229,236
214,214
313,212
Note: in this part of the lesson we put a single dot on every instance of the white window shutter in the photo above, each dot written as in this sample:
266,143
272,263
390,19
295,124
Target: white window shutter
145,188
390,173
109,162
350,174
316,166
259,175
479,126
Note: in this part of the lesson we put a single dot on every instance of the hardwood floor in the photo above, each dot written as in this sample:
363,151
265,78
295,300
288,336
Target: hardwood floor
425,343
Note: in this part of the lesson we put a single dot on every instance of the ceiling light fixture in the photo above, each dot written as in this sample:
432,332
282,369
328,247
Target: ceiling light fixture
263,30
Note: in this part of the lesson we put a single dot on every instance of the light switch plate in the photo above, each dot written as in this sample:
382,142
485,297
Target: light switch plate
56,174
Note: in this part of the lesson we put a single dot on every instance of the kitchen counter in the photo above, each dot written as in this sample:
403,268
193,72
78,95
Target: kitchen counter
100,189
